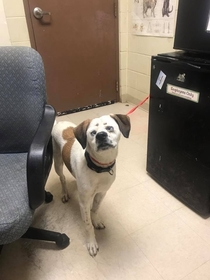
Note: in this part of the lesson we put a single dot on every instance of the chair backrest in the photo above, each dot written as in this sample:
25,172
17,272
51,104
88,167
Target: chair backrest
22,97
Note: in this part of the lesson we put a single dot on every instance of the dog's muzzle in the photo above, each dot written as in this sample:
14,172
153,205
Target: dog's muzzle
101,136
102,141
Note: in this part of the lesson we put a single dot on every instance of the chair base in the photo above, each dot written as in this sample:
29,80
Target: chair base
61,239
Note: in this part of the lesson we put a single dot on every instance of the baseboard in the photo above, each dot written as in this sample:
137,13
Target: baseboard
136,101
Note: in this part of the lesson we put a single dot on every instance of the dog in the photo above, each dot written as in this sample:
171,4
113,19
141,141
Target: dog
165,10
149,4
89,152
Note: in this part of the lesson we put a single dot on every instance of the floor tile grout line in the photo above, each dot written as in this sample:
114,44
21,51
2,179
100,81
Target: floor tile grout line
147,257
192,229
194,270
172,211
149,224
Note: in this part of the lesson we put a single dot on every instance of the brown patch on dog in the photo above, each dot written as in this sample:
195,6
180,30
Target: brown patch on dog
80,133
68,135
124,124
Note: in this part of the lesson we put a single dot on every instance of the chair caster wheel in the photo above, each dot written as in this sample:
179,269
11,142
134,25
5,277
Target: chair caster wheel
62,241
48,197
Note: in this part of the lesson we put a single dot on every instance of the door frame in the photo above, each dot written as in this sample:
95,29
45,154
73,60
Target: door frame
115,14
29,24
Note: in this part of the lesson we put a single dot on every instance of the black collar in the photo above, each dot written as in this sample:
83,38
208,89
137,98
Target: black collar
97,168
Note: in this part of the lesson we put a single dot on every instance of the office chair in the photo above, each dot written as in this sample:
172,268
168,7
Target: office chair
26,121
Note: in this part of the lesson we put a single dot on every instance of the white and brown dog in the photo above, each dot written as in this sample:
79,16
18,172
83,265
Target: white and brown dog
89,151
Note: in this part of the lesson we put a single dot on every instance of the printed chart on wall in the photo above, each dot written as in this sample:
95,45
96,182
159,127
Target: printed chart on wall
153,17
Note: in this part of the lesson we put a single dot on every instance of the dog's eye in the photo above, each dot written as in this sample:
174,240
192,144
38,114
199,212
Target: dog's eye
93,132
110,128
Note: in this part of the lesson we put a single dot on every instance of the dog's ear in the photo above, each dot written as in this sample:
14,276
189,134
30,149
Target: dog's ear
124,124
80,133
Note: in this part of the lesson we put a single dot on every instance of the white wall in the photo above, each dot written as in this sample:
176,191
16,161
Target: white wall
123,37
4,33
123,45
16,21
140,50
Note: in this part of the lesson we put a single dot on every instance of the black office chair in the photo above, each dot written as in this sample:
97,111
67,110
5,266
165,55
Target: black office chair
26,123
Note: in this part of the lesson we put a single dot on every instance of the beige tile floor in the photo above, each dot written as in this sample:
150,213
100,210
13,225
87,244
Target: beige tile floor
149,234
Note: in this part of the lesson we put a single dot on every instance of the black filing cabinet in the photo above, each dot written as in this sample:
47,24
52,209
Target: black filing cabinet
178,155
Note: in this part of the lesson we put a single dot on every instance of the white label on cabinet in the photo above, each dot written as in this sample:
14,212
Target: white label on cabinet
160,80
183,93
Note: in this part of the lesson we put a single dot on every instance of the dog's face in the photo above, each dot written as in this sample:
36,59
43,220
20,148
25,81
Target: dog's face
102,133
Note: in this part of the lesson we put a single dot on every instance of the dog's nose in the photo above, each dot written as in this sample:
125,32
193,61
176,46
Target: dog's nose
101,136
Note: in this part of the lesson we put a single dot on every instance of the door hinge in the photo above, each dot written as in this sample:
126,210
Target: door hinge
115,10
117,86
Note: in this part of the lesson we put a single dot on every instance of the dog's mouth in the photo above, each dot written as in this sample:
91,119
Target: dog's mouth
105,146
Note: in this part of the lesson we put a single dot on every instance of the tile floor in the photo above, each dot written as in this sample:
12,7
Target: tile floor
149,234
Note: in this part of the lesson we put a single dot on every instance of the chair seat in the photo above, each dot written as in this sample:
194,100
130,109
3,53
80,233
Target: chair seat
15,213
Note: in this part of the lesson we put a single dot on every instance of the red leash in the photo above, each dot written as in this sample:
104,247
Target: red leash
141,103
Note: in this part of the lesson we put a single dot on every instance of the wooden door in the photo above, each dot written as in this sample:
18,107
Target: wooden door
78,42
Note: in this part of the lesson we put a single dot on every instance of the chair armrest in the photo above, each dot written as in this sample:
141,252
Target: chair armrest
39,159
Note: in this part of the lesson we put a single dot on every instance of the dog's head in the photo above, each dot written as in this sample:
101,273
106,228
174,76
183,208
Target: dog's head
103,133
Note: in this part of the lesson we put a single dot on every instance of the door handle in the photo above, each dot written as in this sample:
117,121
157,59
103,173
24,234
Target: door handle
38,13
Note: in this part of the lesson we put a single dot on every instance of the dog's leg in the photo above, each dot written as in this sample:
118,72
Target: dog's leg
85,205
97,223
58,164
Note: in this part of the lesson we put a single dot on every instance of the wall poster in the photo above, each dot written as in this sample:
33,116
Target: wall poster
153,17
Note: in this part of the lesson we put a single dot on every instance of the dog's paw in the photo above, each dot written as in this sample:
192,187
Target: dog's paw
97,223
65,198
93,248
